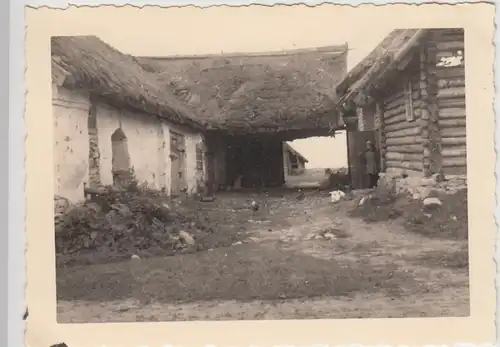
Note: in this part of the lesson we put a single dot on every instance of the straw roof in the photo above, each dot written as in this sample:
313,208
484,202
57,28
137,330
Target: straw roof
87,63
288,147
366,74
265,92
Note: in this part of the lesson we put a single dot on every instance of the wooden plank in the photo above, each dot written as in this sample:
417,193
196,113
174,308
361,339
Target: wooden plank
451,45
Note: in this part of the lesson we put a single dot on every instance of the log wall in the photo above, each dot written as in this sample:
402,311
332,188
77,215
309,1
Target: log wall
450,80
402,141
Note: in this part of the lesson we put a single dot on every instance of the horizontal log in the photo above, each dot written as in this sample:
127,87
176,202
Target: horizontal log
399,93
453,92
453,132
403,132
453,161
405,149
451,82
399,115
401,100
417,166
401,125
455,170
452,123
454,141
452,103
452,112
454,152
406,157
445,54
396,170
449,72
451,46
403,141
394,112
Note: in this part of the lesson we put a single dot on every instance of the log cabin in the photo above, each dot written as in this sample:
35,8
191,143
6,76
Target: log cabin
408,97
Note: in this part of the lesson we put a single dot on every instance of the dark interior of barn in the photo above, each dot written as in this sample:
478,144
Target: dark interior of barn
254,161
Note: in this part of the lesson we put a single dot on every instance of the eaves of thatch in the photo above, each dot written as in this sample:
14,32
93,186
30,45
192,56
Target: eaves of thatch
88,64
371,72
288,147
289,92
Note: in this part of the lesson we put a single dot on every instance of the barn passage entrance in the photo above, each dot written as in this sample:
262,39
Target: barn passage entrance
178,163
254,162
120,158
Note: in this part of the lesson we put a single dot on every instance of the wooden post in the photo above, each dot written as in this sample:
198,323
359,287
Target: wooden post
383,145
433,107
424,111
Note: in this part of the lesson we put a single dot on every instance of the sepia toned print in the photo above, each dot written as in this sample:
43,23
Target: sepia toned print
177,185
219,187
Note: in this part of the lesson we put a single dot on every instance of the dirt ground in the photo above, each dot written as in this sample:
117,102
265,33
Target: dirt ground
294,258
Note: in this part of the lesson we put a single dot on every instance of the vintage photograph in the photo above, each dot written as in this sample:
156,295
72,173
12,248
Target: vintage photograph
304,183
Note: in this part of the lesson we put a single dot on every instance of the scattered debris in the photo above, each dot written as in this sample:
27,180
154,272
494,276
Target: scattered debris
336,196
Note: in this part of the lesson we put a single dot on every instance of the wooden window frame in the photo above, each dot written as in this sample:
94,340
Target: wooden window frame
409,111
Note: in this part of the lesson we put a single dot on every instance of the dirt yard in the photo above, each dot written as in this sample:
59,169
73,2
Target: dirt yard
293,258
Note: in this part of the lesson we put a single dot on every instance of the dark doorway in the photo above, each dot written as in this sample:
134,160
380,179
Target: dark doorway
356,144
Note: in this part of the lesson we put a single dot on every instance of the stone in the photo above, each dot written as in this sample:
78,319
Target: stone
186,238
432,202
329,236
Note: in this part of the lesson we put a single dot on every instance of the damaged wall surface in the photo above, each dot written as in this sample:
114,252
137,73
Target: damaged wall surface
92,140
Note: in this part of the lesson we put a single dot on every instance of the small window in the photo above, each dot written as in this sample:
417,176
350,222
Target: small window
199,157
409,102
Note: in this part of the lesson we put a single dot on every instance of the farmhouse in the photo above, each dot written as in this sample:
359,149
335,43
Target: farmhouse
183,124
111,119
408,97
294,162
250,103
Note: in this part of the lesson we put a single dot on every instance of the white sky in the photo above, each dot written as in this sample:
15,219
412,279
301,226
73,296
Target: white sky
321,152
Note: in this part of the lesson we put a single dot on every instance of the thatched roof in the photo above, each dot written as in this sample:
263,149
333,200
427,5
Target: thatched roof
87,63
366,74
265,92
288,147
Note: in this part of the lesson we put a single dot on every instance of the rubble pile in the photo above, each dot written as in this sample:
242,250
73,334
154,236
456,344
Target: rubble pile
115,224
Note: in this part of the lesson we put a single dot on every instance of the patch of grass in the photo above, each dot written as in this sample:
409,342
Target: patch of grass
455,259
245,272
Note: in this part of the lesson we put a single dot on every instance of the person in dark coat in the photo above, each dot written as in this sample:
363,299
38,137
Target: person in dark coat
370,161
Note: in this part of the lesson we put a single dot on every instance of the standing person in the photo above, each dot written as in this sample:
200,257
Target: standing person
370,160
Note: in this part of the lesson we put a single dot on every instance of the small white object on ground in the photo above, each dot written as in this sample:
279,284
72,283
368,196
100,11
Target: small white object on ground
432,201
336,195
187,238
135,257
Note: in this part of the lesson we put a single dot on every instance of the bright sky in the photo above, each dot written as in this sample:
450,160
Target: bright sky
321,152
